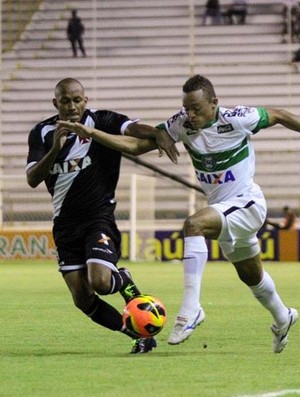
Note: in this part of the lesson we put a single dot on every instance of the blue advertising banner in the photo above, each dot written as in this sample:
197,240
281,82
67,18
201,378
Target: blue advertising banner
276,245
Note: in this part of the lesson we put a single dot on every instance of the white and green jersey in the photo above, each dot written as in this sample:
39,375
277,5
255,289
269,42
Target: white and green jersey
221,152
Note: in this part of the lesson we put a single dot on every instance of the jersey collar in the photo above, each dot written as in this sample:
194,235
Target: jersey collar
210,123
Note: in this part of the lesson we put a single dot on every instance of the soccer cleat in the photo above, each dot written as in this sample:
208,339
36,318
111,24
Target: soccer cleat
143,345
130,290
183,327
281,334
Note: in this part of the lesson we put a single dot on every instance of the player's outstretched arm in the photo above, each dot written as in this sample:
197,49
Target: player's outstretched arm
285,118
274,224
126,144
163,140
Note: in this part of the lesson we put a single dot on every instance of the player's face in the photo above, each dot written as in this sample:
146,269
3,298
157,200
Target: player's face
199,109
70,102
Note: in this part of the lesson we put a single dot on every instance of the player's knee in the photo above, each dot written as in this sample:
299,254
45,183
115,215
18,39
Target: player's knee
99,278
193,226
206,222
100,285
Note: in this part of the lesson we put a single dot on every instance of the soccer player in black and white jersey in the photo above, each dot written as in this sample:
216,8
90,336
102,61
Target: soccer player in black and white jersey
81,175
218,141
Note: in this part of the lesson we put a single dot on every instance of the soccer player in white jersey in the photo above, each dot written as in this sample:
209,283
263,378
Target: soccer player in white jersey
218,142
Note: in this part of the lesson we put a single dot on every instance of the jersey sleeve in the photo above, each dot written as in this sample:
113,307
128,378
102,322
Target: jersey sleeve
111,122
247,120
255,120
36,147
263,121
173,126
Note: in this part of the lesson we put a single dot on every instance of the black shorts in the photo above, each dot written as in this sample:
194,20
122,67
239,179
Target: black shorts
92,241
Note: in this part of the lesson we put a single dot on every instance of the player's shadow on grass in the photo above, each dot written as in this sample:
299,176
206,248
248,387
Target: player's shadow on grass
173,354
104,354
45,353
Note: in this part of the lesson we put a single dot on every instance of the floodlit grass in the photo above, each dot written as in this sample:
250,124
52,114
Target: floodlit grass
49,349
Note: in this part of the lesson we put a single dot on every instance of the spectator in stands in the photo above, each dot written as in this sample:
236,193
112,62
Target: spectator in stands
296,58
289,222
291,31
291,22
218,141
237,12
81,175
212,11
75,32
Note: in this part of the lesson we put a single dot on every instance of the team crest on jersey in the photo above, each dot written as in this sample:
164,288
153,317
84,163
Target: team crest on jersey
222,129
208,162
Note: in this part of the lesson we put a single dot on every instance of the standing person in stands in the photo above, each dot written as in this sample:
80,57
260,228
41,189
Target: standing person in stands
75,32
237,12
81,175
290,220
291,21
212,11
218,141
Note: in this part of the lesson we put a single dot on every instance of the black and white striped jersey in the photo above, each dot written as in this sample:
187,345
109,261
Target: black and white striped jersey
84,176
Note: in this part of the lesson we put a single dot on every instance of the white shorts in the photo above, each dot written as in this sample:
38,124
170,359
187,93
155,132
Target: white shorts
242,217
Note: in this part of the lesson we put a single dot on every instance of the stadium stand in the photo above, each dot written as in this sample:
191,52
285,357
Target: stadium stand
139,55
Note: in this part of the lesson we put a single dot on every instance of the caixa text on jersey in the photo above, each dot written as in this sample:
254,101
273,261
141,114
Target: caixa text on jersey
222,177
71,165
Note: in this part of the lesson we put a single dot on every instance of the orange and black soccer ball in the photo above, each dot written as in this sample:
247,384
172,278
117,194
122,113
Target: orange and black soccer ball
144,316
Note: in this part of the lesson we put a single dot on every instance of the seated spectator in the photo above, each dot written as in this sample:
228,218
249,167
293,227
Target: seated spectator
289,222
237,12
212,11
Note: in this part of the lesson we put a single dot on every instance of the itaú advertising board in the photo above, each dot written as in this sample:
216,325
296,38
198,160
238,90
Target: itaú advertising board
276,245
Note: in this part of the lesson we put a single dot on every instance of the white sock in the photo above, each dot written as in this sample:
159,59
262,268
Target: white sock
194,260
265,293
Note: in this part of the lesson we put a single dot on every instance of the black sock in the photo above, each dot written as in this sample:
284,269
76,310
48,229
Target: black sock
119,283
104,314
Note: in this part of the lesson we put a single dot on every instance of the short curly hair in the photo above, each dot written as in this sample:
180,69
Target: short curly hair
199,82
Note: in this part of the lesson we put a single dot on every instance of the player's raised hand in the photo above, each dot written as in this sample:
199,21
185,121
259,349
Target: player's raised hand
166,144
60,137
79,129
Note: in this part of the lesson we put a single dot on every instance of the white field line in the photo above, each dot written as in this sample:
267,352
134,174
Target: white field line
292,392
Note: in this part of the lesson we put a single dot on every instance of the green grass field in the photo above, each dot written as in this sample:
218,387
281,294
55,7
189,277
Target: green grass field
49,349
